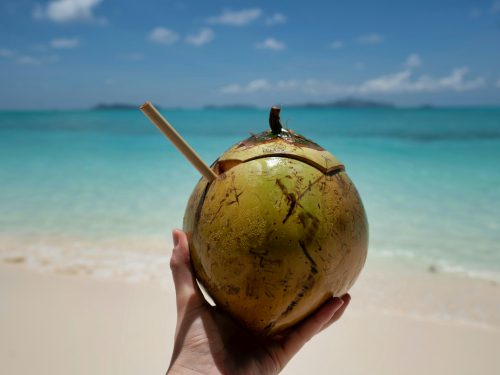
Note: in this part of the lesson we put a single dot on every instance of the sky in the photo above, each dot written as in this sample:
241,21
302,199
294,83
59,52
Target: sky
63,54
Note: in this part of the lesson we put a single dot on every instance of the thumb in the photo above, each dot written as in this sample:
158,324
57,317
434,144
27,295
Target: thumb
187,292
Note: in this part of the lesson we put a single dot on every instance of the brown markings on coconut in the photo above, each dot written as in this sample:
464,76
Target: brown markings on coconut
290,197
235,191
200,204
231,289
308,284
314,267
310,224
304,217
214,215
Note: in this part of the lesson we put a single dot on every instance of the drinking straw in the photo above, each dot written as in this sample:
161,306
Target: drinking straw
161,123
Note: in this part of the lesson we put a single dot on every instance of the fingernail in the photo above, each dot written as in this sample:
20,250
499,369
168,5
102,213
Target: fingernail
175,236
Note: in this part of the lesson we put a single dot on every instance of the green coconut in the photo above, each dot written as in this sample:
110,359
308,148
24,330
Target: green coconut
279,231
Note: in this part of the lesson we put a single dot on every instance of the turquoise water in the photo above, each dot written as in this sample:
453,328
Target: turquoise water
108,182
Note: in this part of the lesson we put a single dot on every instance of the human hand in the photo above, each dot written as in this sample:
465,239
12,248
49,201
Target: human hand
207,341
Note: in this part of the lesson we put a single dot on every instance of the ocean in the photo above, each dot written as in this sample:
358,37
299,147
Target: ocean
98,192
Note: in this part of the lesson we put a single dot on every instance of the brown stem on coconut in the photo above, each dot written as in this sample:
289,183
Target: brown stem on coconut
274,120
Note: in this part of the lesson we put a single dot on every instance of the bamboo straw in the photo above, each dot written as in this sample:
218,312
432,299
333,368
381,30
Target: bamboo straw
156,118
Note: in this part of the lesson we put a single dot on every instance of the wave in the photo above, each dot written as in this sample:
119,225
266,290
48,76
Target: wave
435,265
128,266
143,266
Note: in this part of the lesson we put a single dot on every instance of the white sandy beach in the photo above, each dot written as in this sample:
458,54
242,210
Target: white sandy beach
60,324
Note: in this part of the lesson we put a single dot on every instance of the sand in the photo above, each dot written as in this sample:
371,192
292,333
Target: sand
59,324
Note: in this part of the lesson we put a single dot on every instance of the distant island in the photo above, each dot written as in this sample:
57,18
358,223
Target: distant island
108,106
344,103
352,103
230,106
126,106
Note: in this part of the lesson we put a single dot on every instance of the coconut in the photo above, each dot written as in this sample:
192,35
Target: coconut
278,232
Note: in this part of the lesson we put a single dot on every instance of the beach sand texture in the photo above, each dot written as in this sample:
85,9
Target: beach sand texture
60,324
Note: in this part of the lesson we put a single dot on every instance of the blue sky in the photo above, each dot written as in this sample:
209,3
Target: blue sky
76,53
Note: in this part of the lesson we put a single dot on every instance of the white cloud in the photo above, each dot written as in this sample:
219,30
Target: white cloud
236,18
32,60
476,13
272,44
388,83
372,38
399,82
67,10
260,84
495,7
276,19
413,61
336,44
4,52
402,82
27,59
60,43
206,35
163,35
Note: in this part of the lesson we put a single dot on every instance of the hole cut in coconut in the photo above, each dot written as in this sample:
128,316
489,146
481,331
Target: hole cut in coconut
222,166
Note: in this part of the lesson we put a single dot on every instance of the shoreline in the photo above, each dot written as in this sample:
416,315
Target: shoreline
80,325
397,286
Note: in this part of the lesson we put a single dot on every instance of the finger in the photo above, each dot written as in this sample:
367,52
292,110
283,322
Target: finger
346,298
187,291
311,326
338,314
